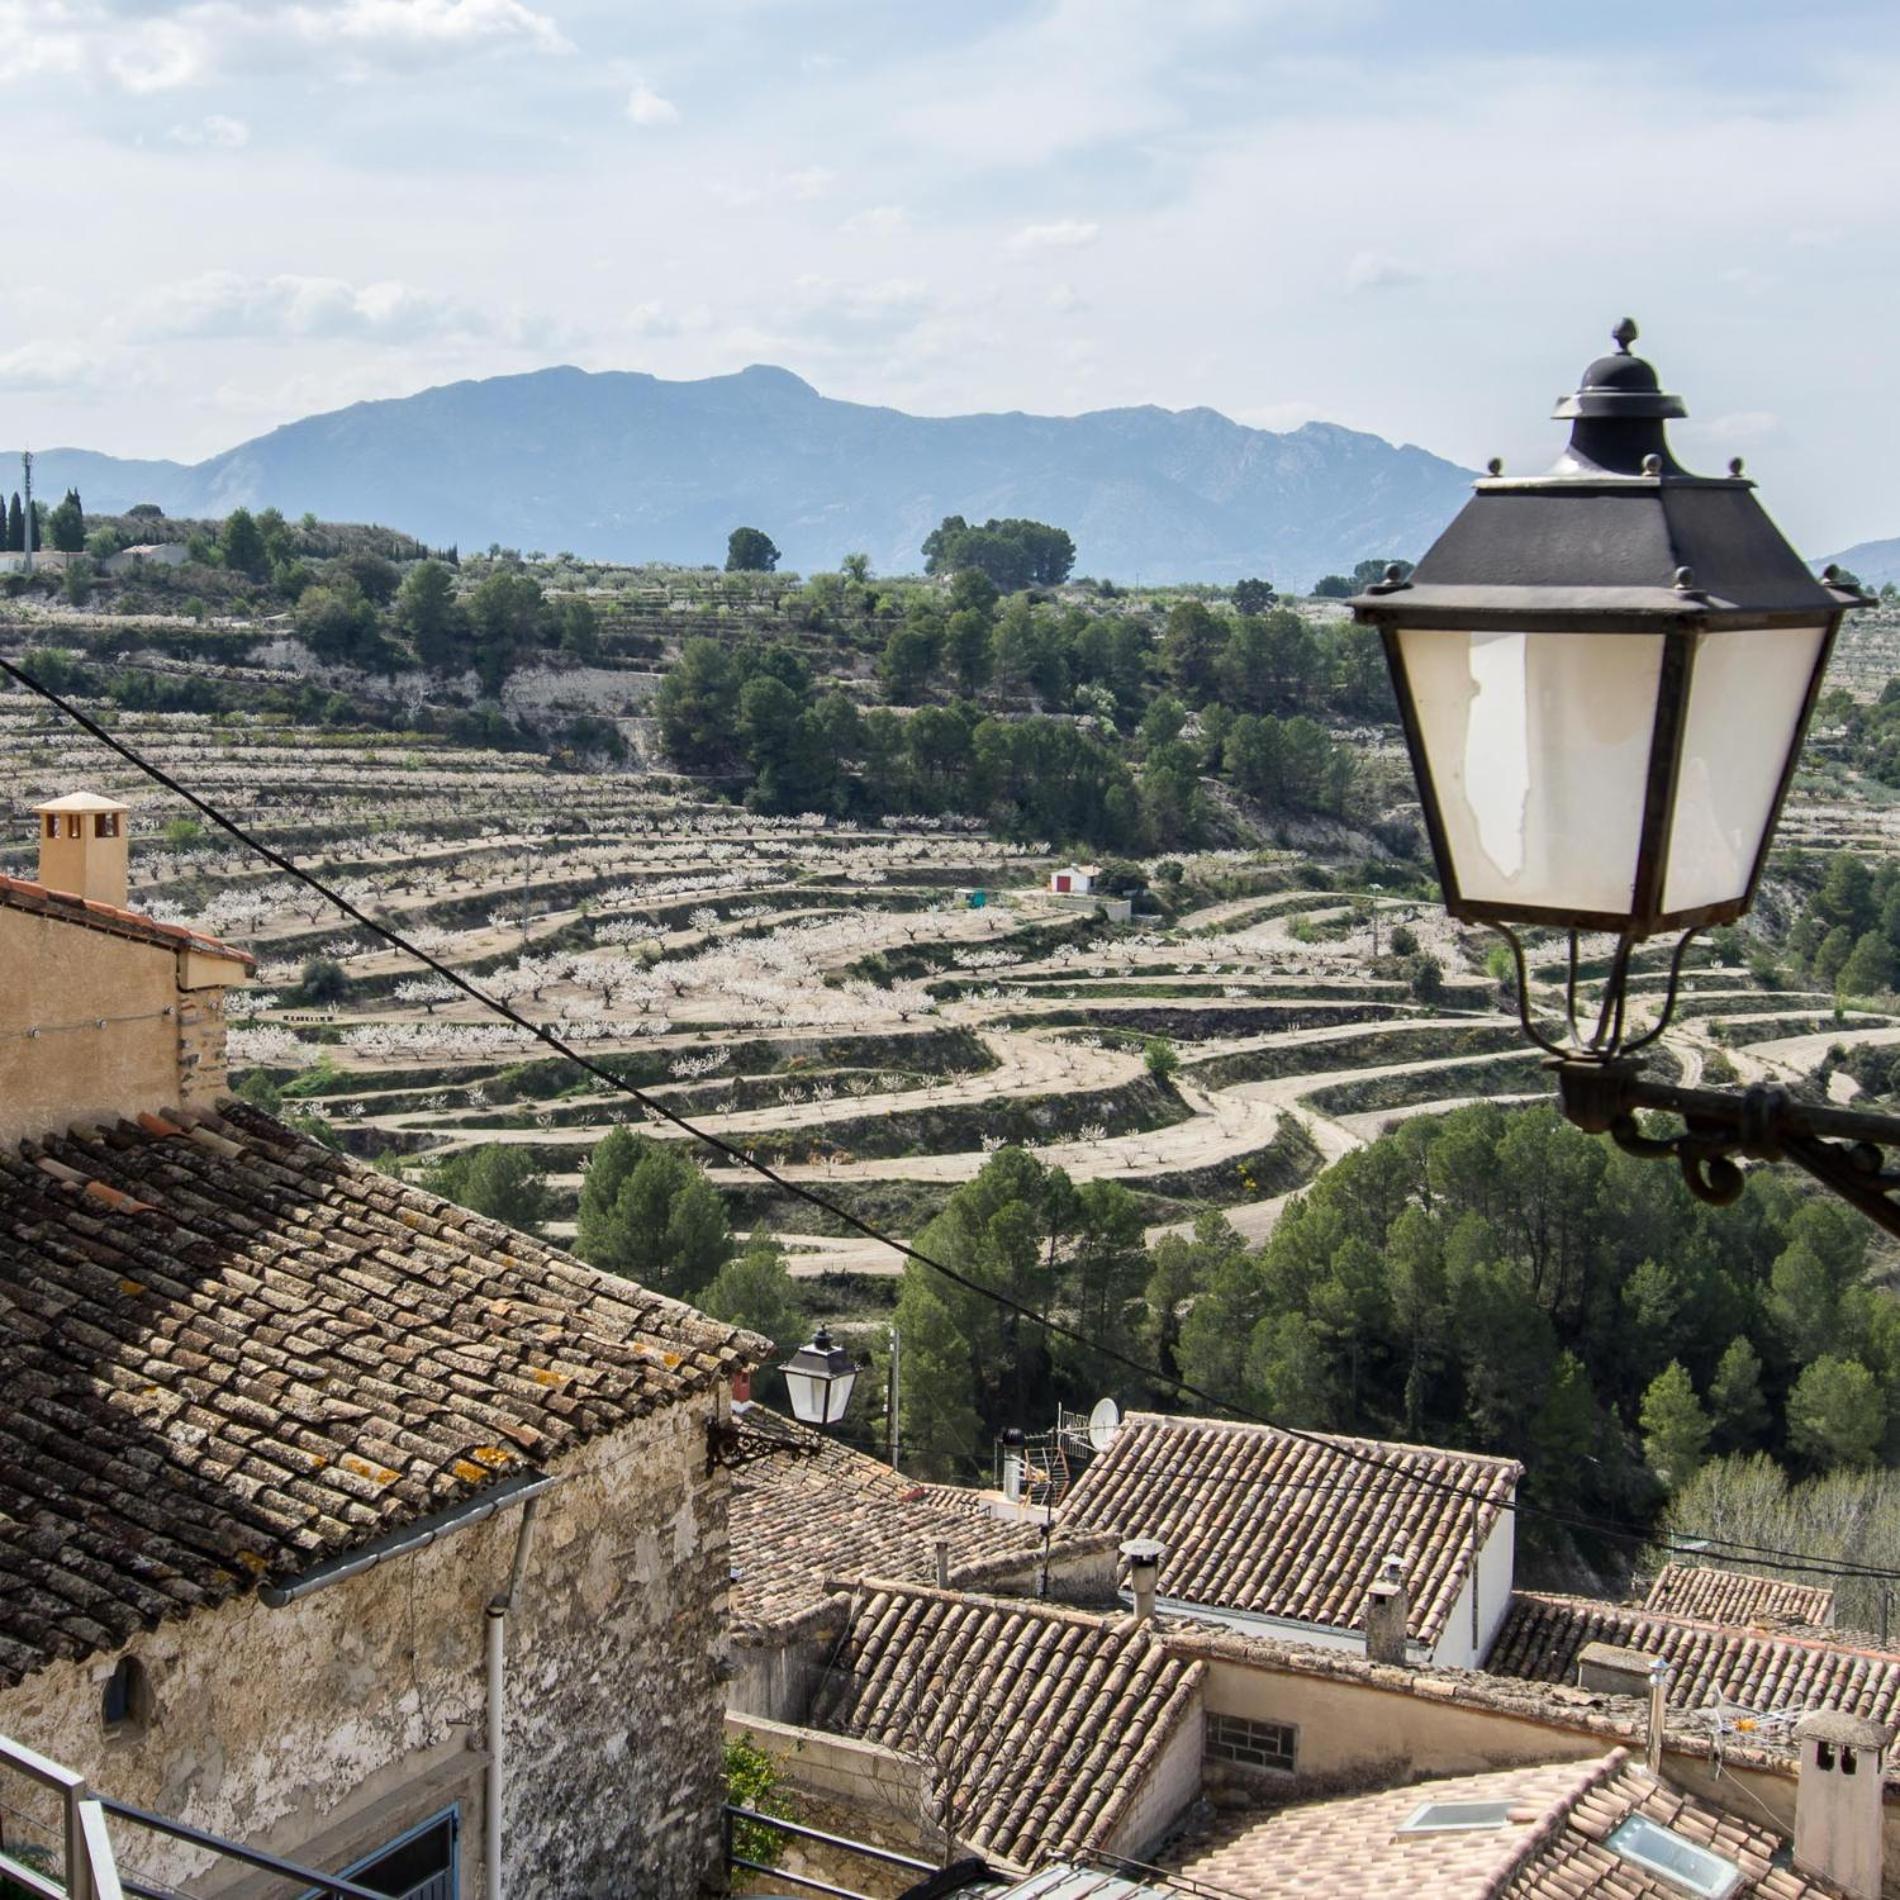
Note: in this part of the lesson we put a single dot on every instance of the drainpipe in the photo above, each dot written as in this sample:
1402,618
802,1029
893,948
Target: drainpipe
497,1621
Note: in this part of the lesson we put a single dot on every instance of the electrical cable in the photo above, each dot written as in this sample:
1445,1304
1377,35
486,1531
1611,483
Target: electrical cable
658,1110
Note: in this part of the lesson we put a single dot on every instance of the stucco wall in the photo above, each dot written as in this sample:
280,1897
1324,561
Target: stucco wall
60,978
1348,1726
347,1716
1495,1570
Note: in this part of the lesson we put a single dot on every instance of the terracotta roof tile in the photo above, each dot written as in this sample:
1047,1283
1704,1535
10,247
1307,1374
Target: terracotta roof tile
1542,1635
1255,1519
19,893
1551,1846
200,1398
1041,1723
1733,1596
807,1512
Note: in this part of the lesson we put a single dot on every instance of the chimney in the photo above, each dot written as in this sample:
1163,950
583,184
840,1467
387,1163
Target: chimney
943,1563
1660,1677
1837,1804
1144,1556
1388,1610
1614,1669
83,847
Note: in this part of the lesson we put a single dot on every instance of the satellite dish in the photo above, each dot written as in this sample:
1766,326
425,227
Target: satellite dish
1104,1422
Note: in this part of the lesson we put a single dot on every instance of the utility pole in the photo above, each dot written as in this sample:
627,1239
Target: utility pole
893,1397
26,471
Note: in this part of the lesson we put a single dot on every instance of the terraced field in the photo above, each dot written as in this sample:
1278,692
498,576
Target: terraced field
823,996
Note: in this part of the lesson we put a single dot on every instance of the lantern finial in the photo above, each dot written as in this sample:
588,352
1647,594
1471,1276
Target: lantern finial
1624,335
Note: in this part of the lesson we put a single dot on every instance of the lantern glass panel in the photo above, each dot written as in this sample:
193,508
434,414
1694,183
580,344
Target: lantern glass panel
1538,746
1746,694
839,1395
807,1396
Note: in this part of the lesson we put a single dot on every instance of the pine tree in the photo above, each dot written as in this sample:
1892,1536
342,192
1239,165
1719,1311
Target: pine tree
66,525
1735,1397
1675,1427
1869,970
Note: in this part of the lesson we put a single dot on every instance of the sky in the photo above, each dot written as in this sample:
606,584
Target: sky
1416,217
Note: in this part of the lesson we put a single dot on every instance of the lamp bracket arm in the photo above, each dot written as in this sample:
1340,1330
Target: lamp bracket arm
1845,1149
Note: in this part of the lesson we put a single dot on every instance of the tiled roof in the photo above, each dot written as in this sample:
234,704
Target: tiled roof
1256,1519
1541,1636
817,1511
1733,1596
1551,1846
1042,1723
19,893
228,1354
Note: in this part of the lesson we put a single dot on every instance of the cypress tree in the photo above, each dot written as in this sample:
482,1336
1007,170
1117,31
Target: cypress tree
16,526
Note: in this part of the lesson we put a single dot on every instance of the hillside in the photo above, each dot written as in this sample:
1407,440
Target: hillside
623,466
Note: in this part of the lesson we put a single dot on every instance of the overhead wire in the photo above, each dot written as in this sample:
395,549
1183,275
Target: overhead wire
658,1110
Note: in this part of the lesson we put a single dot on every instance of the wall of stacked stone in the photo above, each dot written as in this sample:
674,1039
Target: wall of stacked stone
325,1728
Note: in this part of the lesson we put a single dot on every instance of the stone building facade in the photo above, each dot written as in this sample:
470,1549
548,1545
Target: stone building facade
281,1438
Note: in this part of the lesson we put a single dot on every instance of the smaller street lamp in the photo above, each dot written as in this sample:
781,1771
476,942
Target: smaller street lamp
1605,674
818,1378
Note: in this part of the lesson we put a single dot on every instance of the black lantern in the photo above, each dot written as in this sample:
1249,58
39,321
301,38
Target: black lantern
819,1377
1605,675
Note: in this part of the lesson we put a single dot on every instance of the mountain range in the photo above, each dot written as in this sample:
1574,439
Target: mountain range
623,466
1872,563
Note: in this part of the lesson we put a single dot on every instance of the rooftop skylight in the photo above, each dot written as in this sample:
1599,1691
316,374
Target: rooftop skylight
1452,1817
1646,1844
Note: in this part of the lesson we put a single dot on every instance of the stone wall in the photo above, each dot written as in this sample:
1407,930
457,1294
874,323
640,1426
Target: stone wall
323,1729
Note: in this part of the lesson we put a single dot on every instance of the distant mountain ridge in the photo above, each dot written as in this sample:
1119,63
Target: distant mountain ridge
1872,563
620,465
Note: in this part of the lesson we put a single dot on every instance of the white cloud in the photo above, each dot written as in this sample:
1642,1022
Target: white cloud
647,107
214,130
812,182
34,368
36,42
1065,298
1063,234
160,46
157,56
879,221
226,304
1374,270
428,24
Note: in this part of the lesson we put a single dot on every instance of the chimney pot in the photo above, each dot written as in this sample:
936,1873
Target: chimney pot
1144,1555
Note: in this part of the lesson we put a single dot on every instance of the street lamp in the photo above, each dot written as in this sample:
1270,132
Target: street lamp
1605,675
818,1378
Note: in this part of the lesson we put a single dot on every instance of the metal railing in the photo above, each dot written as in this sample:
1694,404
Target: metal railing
88,1866
733,1811
90,1872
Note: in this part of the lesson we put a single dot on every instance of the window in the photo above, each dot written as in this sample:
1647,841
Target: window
75,825
1249,1744
1644,1843
52,824
421,1864
126,1706
106,825
1455,1817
